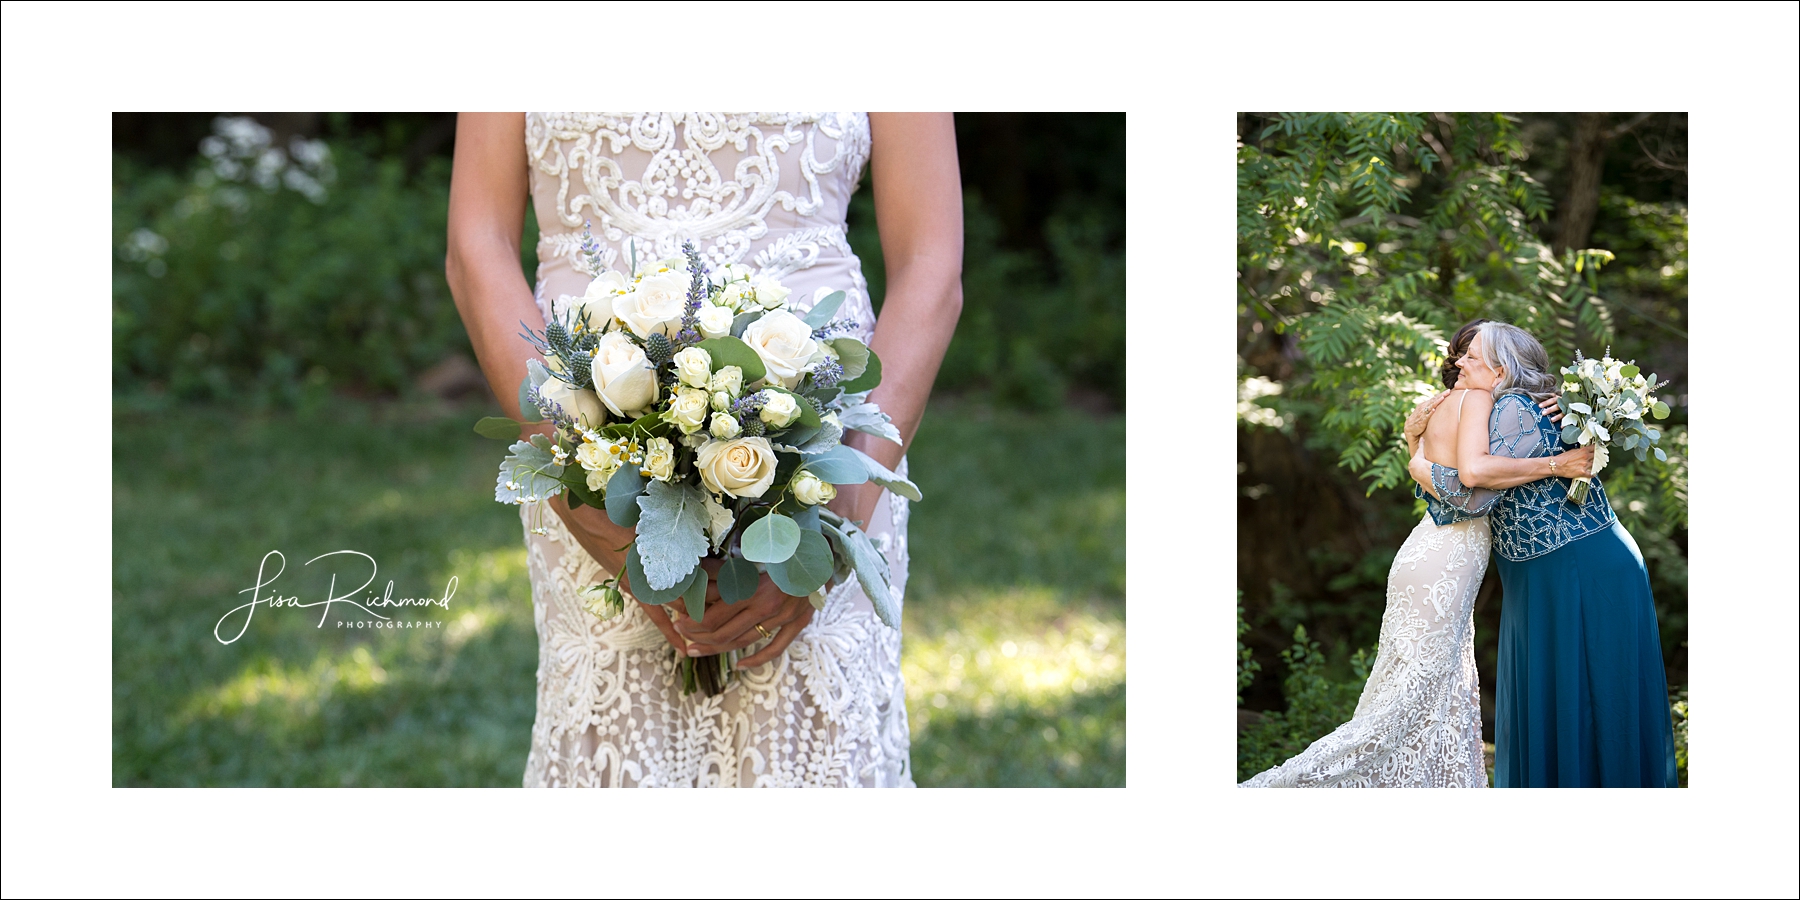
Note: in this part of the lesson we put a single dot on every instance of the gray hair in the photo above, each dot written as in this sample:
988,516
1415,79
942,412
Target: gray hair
1526,365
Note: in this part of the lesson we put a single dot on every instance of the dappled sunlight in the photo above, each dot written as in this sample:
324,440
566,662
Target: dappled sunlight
290,693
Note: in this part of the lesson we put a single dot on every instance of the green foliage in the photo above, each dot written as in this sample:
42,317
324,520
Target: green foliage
226,287
1678,714
1317,705
995,559
1439,235
1247,667
671,533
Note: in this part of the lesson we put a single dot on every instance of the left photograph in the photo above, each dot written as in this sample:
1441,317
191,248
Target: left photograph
601,450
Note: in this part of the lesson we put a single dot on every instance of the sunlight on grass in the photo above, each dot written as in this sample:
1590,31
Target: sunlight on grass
288,692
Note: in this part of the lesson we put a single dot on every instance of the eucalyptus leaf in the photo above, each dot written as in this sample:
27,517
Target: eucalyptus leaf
1660,410
885,477
823,310
1660,455
731,351
671,532
695,595
639,583
840,465
871,570
853,355
528,473
770,539
622,491
1570,433
499,428
868,380
737,580
807,570
807,519
742,321
1628,371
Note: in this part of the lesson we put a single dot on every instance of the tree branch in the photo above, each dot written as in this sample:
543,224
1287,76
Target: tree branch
1633,122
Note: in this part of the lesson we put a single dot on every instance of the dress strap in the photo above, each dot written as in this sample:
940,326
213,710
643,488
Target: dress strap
1460,401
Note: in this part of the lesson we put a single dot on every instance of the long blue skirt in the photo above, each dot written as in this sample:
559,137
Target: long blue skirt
1582,699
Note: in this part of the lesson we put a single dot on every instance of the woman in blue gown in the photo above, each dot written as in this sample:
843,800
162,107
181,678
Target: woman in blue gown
1582,698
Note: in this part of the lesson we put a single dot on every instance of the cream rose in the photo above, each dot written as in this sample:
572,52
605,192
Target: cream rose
736,296
785,344
693,366
623,377
729,379
770,293
656,304
808,489
725,426
779,410
744,467
688,412
714,321
659,459
580,403
599,460
721,401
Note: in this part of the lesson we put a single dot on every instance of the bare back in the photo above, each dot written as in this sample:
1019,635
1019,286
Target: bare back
1440,432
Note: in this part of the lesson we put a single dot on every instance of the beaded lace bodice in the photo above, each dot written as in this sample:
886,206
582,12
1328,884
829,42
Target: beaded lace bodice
769,191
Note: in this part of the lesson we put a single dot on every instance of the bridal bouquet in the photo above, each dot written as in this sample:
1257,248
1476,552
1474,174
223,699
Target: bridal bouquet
701,408
1604,402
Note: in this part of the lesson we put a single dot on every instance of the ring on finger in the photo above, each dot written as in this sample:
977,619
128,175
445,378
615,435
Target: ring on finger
763,631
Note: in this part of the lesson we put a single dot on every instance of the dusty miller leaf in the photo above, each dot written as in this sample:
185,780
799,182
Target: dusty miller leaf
671,532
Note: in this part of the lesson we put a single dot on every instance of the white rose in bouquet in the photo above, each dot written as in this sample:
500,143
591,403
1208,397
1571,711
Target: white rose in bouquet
744,467
655,304
659,459
623,377
770,293
729,379
599,460
714,321
808,489
688,412
731,272
694,367
779,410
785,344
725,426
580,403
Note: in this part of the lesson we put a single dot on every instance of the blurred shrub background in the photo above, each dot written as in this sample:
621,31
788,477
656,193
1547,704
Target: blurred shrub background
290,373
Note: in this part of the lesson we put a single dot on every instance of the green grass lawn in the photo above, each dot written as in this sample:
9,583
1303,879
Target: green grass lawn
1015,614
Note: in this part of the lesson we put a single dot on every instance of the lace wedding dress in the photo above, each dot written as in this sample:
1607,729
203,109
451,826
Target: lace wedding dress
1418,722
768,191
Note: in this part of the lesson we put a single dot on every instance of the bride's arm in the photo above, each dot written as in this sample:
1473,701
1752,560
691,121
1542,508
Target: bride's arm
488,187
1479,468
918,208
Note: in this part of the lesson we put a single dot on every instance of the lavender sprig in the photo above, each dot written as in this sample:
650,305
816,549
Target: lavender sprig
690,317
551,409
835,326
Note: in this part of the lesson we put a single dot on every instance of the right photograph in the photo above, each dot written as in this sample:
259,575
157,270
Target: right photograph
1462,449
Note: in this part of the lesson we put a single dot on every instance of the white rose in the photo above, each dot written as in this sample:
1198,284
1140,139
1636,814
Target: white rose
714,321
770,293
688,412
735,295
779,410
600,460
785,344
729,379
721,401
693,366
725,426
580,403
656,304
623,377
744,467
808,489
659,459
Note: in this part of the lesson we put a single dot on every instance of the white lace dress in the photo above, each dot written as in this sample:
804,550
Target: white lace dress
1418,722
769,191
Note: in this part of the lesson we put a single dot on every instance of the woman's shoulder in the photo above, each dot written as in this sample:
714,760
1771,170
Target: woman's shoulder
1512,400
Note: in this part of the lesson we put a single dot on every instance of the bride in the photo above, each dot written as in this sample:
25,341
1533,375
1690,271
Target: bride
817,699
1418,721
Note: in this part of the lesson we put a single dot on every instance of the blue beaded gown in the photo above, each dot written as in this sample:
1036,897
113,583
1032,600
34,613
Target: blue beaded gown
1582,699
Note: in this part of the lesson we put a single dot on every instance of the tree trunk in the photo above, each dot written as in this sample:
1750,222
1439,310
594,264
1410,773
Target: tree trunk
1587,156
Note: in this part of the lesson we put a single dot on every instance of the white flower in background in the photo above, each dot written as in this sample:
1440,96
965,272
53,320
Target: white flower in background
770,293
688,412
729,379
655,305
623,377
1249,390
785,344
744,467
693,366
659,459
808,489
779,409
725,426
597,302
714,321
581,404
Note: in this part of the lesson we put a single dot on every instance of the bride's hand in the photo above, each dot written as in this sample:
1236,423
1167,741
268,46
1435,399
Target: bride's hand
606,543
734,626
1553,408
1576,463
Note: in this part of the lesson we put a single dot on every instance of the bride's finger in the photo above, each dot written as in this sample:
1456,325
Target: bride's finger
660,618
783,638
789,611
732,621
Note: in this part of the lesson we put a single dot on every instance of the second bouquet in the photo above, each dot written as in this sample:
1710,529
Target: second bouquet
706,411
